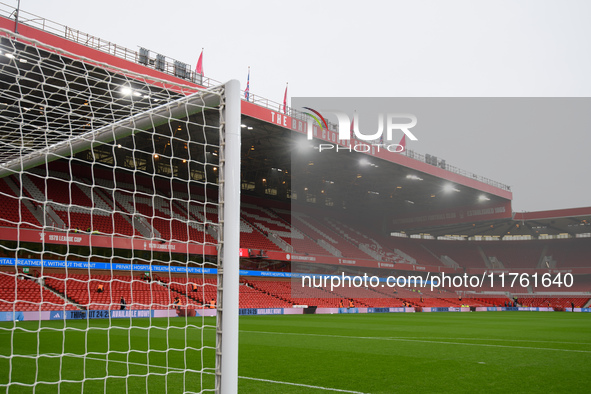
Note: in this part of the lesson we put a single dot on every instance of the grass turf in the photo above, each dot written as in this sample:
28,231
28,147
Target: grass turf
376,353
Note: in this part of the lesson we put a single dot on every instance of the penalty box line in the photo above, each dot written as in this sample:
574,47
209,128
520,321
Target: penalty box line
419,341
205,373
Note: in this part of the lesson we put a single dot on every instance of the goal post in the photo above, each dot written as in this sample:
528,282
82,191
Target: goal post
229,267
119,226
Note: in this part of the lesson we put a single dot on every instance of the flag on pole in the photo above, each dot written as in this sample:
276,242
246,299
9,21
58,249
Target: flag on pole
285,99
402,143
199,68
247,90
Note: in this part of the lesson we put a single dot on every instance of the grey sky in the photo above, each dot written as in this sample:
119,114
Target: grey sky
405,48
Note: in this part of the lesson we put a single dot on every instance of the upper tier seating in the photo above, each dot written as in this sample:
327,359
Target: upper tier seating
90,201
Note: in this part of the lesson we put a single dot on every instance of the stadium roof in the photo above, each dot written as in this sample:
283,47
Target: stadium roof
347,178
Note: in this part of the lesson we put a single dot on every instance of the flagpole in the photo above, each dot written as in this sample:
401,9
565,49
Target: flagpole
285,98
247,90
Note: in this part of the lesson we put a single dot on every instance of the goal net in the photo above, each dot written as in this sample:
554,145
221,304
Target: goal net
119,227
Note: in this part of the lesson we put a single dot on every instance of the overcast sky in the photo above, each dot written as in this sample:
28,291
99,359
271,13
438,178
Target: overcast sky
393,48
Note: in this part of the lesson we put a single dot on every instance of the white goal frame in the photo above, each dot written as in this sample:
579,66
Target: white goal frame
229,244
227,98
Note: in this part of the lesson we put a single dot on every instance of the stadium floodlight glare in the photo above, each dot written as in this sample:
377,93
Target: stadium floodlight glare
304,145
449,187
365,162
126,91
483,197
413,177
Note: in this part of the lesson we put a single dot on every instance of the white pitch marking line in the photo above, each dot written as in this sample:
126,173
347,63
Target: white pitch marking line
210,373
498,339
421,341
302,385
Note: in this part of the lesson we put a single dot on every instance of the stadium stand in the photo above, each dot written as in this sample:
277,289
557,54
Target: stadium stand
513,254
20,292
13,210
464,254
138,293
266,225
569,252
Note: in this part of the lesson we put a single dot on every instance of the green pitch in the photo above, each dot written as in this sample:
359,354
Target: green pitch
381,353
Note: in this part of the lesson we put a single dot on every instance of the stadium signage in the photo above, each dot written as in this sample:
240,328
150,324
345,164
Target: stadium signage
262,311
62,238
303,258
100,314
486,211
279,119
131,313
378,310
56,315
159,246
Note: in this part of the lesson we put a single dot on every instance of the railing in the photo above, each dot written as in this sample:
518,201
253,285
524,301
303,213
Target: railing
373,253
281,243
409,260
52,219
328,247
166,65
420,157
175,68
